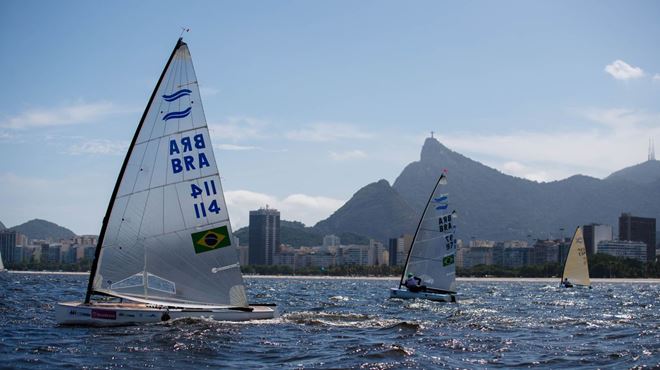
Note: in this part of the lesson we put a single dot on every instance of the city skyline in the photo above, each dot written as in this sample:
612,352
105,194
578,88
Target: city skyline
302,120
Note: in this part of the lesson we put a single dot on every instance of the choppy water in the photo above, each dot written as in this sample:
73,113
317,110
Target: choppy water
350,324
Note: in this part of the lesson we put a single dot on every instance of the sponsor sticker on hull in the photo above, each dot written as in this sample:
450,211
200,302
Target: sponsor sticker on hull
104,314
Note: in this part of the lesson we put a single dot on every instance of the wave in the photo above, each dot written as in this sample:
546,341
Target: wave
177,95
181,114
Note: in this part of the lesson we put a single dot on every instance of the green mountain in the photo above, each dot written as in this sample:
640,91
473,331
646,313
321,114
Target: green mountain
376,210
493,205
42,229
643,173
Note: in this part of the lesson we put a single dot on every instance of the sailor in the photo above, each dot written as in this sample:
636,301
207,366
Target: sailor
414,284
566,283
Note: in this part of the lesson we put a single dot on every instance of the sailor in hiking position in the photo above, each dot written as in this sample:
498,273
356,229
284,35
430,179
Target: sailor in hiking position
566,283
414,284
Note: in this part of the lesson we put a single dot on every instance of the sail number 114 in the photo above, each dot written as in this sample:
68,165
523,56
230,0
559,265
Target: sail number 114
209,189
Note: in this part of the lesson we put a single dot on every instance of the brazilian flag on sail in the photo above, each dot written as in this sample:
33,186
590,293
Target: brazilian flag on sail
448,260
208,240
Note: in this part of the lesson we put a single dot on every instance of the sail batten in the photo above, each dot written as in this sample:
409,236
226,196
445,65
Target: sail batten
167,235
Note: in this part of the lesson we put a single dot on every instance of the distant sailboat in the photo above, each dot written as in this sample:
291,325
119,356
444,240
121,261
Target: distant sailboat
576,268
431,258
2,266
166,248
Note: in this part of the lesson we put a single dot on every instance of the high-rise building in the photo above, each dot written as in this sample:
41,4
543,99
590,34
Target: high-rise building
638,229
264,235
331,241
398,249
594,234
546,251
392,246
8,247
624,248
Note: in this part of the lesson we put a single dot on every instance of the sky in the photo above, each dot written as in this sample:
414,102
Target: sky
308,101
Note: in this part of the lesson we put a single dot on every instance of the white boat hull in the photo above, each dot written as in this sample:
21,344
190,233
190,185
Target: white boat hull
118,314
406,294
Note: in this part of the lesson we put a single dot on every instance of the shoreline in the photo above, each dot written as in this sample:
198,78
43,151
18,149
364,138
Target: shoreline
389,278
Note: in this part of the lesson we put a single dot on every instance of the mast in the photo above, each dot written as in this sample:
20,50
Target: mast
97,253
419,225
563,270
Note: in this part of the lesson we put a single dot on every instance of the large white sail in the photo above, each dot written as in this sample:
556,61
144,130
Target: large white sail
576,268
432,253
167,235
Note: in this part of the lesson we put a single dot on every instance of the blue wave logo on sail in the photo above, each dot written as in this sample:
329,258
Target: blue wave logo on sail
173,115
441,202
177,95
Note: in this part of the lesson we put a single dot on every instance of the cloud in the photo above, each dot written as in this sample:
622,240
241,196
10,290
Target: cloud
99,146
618,117
347,155
616,139
520,170
207,91
623,71
234,147
66,115
327,131
299,207
656,77
237,128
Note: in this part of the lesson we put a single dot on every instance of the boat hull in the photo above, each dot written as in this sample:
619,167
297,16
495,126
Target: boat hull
406,294
575,286
119,314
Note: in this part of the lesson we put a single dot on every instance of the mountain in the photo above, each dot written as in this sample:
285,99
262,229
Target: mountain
296,234
644,173
42,229
2,226
496,206
376,211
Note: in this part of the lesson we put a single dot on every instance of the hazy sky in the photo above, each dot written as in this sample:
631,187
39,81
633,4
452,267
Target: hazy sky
310,100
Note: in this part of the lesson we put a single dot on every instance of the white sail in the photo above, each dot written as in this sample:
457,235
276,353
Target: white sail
576,268
432,253
2,266
168,236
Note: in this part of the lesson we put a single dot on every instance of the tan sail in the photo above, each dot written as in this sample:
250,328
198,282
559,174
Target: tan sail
576,268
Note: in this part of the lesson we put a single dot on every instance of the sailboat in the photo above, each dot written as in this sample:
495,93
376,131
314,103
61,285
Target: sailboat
431,257
166,248
576,268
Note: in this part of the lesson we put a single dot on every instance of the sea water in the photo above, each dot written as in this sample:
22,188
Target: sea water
350,323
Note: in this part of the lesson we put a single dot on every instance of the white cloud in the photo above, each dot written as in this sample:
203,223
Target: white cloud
328,131
619,139
66,115
656,77
99,146
234,147
207,91
623,71
348,155
520,170
618,117
237,128
299,207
